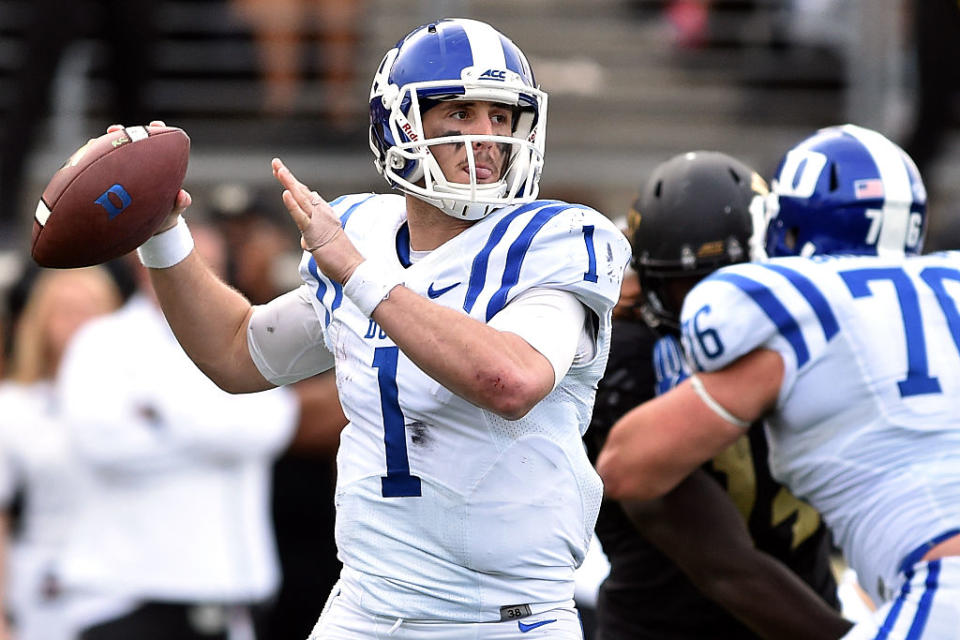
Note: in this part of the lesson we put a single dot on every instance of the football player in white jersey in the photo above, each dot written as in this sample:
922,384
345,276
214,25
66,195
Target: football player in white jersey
850,350
468,323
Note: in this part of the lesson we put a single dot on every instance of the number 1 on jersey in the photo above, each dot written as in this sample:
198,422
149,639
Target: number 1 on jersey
398,483
591,273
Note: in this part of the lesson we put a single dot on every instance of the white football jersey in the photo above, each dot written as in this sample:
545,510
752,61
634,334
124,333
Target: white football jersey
867,422
444,510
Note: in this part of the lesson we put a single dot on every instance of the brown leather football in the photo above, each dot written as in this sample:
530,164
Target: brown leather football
110,196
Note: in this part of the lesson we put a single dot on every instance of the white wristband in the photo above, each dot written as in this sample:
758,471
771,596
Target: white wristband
369,285
168,248
715,406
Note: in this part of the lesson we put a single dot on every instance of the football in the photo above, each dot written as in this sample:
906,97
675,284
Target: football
110,196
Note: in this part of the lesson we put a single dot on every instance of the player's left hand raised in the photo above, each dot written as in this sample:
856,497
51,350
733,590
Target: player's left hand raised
320,231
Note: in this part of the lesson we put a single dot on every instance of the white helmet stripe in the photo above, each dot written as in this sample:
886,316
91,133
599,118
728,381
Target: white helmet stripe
484,45
897,194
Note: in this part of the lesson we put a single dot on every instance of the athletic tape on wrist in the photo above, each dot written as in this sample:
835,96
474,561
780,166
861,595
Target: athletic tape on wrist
369,285
715,406
168,248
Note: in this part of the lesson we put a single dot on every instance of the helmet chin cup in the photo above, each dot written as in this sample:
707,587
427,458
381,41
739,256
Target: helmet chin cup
472,199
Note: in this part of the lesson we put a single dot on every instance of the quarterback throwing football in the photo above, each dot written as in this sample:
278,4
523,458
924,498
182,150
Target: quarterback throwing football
468,323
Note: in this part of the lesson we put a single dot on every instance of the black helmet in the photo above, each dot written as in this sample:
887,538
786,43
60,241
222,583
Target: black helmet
695,215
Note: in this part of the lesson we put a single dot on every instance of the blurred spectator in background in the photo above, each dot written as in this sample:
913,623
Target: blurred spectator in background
828,24
687,20
126,30
280,28
13,282
176,539
262,249
35,456
263,255
690,22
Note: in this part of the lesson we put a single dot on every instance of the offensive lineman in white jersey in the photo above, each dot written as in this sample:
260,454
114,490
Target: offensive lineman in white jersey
850,351
468,323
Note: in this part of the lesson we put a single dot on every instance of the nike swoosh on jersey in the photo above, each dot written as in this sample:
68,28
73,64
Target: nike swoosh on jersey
436,293
530,627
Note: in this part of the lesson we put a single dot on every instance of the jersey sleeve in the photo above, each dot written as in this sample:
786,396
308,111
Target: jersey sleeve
578,250
285,338
550,321
745,307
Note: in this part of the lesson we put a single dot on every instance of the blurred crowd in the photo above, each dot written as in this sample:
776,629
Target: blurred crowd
129,483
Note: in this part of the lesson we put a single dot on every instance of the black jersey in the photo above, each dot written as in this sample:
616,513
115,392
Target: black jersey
646,596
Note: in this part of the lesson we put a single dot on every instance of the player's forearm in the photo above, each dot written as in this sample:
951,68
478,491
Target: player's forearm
776,604
210,321
750,584
754,586
652,448
493,369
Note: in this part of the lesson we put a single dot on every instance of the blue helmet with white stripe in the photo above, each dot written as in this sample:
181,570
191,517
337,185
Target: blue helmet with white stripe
846,190
456,59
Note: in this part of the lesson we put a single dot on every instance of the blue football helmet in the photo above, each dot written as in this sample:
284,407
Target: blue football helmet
846,190
456,59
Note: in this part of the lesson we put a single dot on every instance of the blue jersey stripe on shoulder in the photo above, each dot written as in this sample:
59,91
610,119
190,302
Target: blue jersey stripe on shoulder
321,287
478,271
786,324
818,302
926,601
515,255
349,212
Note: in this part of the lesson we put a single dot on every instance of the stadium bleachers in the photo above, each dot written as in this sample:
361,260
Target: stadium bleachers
623,96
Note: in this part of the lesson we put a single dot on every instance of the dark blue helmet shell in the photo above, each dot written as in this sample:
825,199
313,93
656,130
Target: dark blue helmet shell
846,190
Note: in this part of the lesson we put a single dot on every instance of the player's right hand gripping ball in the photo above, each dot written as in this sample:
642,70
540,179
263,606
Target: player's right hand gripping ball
110,196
